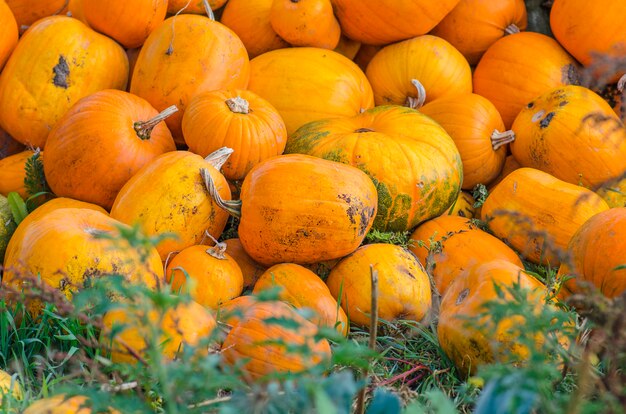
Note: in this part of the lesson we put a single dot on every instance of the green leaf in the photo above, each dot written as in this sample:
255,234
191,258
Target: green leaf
17,206
323,403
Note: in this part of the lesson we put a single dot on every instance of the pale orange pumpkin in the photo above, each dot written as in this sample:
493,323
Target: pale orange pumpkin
10,33
306,22
63,404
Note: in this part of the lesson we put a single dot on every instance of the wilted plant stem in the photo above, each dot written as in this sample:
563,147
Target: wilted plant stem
360,404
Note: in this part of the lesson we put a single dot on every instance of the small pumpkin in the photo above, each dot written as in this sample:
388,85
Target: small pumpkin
463,206
10,33
306,22
13,172
403,284
236,119
192,6
27,12
250,269
365,55
348,47
510,165
9,384
62,404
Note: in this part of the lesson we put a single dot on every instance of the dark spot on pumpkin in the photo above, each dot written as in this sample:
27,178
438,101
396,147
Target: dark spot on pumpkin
61,73
563,103
360,130
570,75
530,105
546,120
462,296
170,50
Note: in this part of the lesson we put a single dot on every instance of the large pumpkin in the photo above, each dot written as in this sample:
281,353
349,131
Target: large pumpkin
306,22
377,22
537,214
414,163
518,68
449,245
57,62
85,161
171,68
27,12
9,33
302,209
306,84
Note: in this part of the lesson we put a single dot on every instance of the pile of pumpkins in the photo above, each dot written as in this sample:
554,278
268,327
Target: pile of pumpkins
314,122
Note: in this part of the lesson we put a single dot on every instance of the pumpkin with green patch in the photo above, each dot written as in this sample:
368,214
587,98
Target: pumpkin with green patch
412,160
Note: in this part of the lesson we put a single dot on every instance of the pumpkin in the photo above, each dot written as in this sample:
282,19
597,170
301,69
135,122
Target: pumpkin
185,324
250,19
171,69
510,165
306,84
578,124
129,23
302,209
37,88
9,146
365,55
467,334
27,12
412,160
260,347
306,22
237,119
477,129
348,47
597,256
403,284
537,214
231,313
192,6
250,269
75,10
302,288
13,172
87,162
9,384
62,404
375,22
60,248
449,245
168,195
9,33
428,60
474,25
518,68
133,55
208,274
463,206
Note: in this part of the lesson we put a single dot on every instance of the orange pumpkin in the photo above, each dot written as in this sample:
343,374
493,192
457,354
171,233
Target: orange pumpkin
376,22
449,245
27,12
537,214
597,256
478,132
474,25
403,284
433,62
306,22
192,6
520,67
208,274
250,269
37,88
348,47
301,209
231,313
412,160
62,404
85,161
129,23
168,195
250,19
365,55
302,288
13,172
236,119
9,33
171,69
510,165
466,334
262,348
306,84
463,206
75,10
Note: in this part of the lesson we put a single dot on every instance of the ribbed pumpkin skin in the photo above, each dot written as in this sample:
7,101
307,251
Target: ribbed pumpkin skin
537,214
9,33
374,22
518,68
58,61
86,161
248,341
304,289
250,269
307,84
474,25
596,253
61,404
583,27
463,245
471,120
250,19
13,172
193,6
171,69
414,163
439,67
557,133
403,285
209,124
306,22
301,209
469,346
168,196
27,12
128,22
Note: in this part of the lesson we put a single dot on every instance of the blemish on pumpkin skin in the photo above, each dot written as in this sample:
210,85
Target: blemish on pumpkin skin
545,122
462,296
61,73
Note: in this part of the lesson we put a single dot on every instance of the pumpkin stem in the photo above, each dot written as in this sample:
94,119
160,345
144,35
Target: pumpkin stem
621,83
511,29
363,130
219,157
500,139
208,9
418,101
238,105
218,251
232,207
144,128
